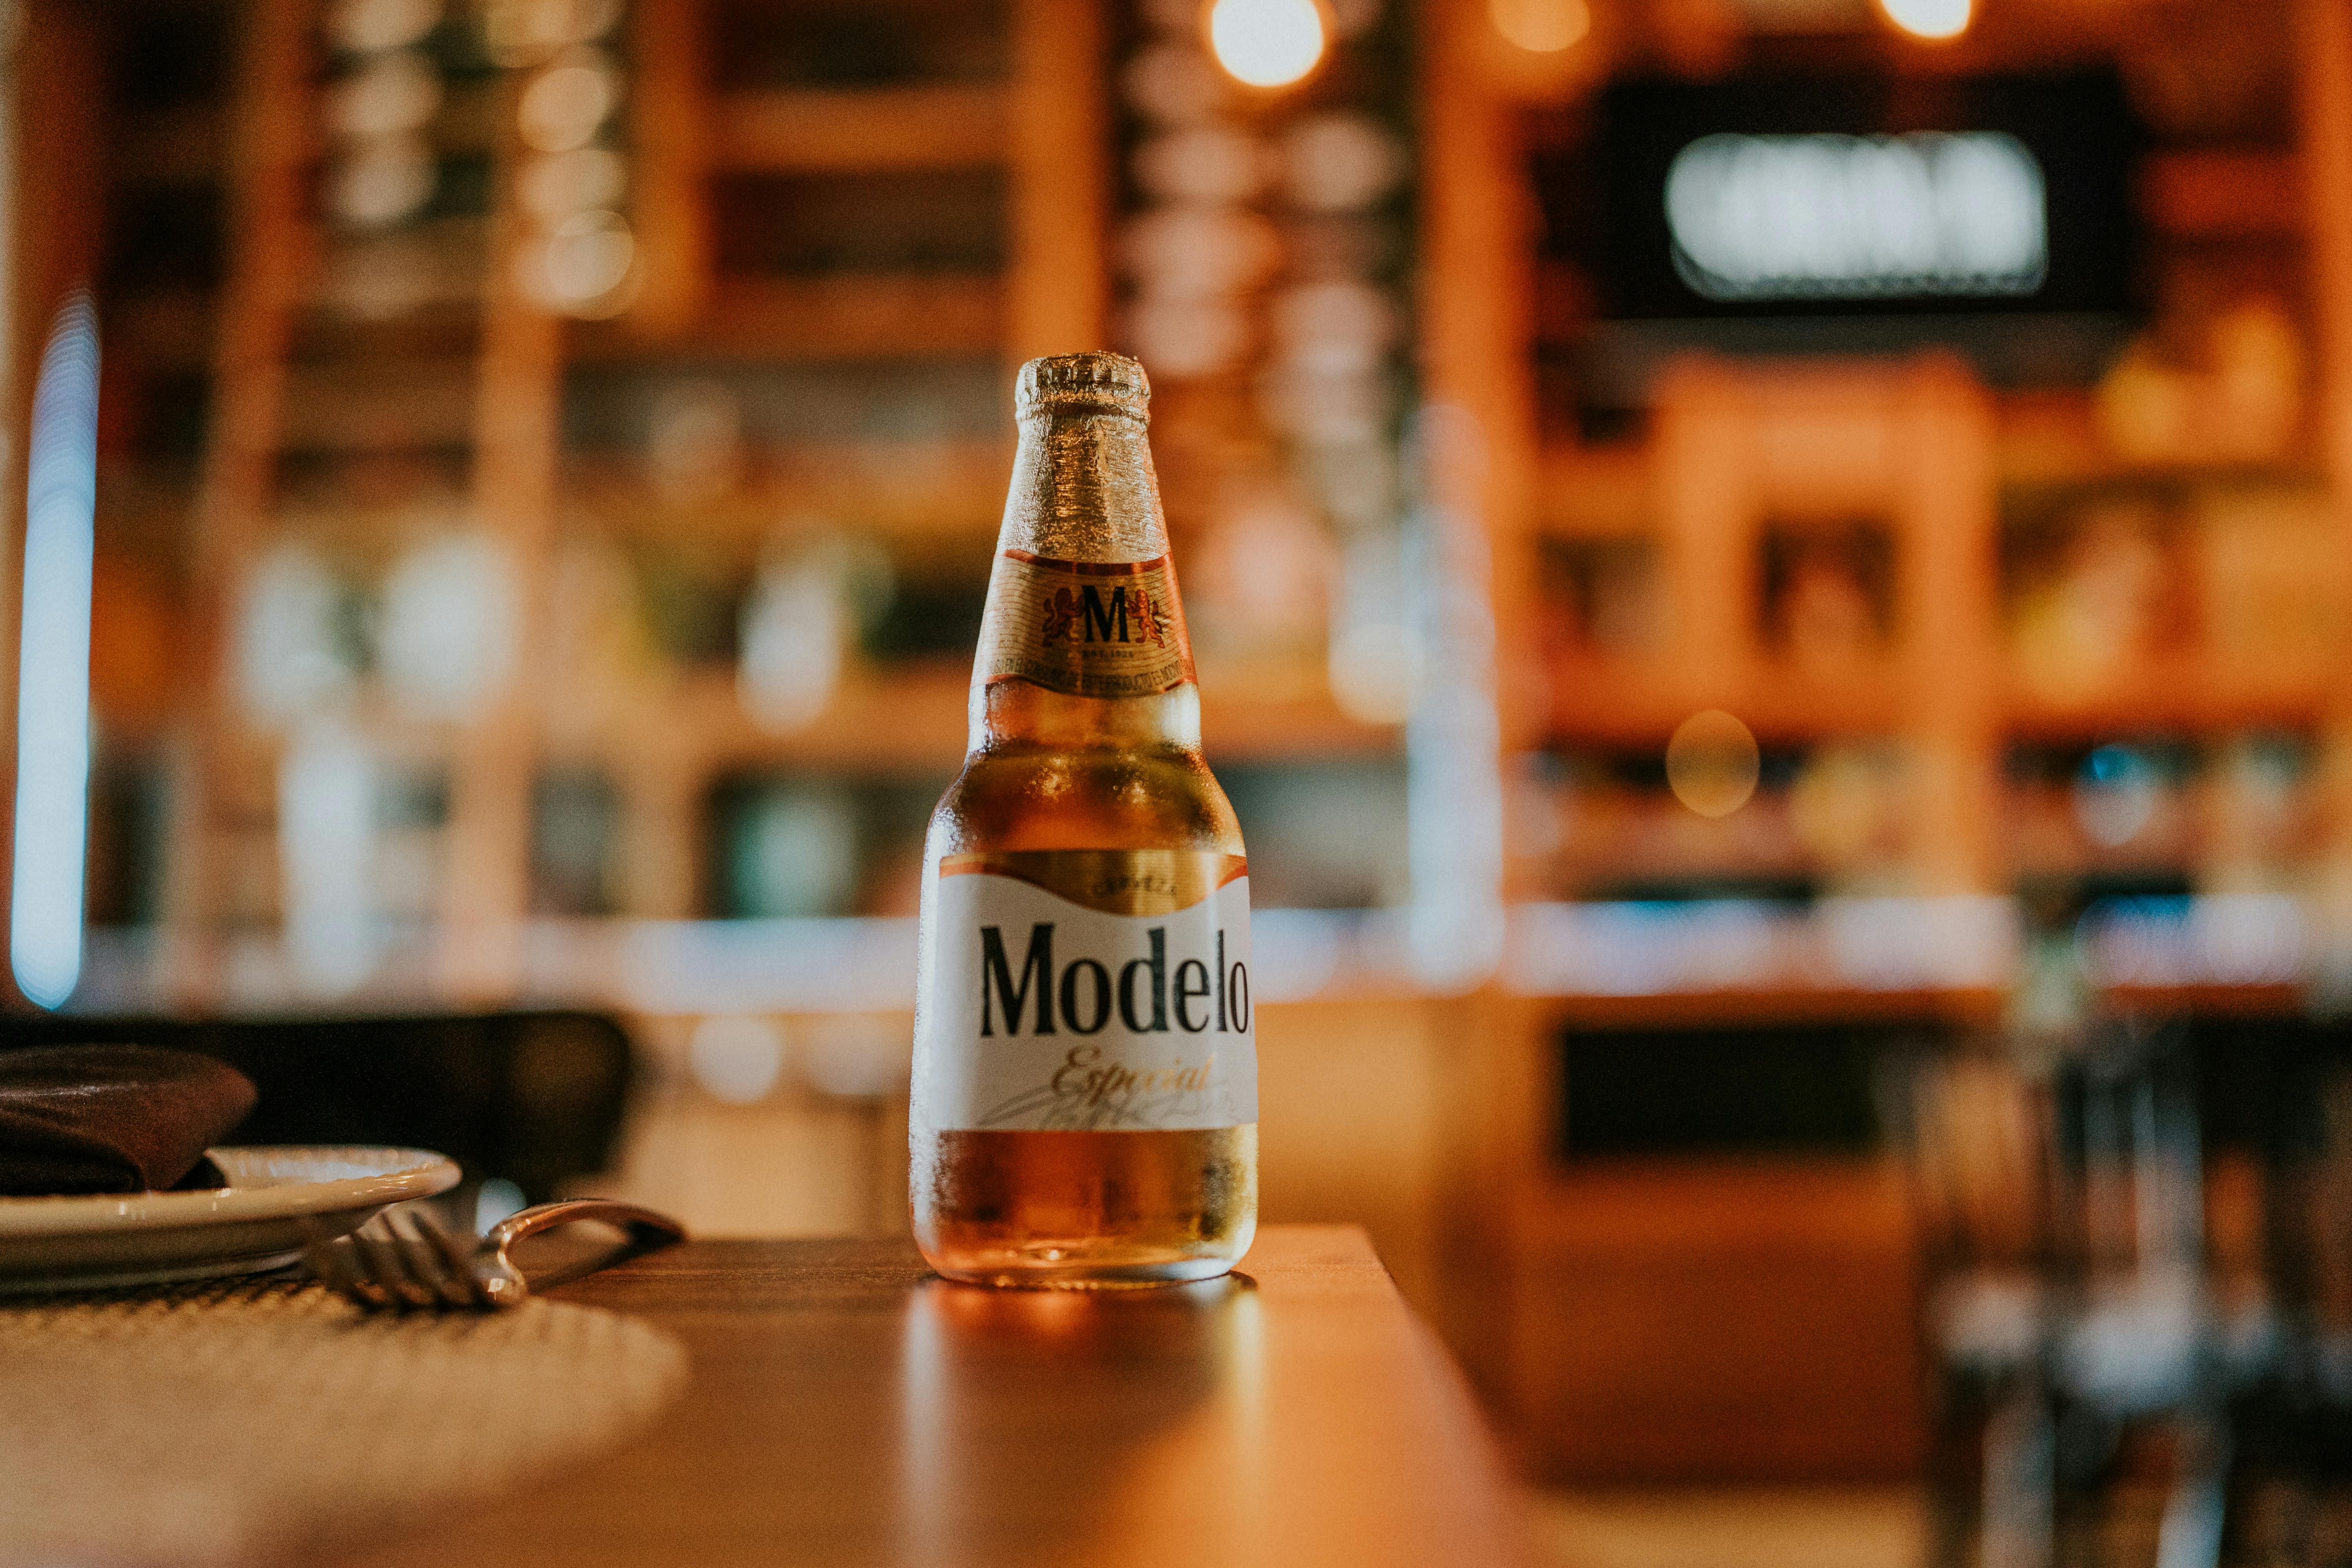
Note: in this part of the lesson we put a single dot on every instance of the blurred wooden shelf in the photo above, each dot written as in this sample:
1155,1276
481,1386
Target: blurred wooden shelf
2225,193
1973,1007
2183,691
1604,701
877,316
431,266
867,132
670,968
2050,439
171,147
1892,956
169,330
693,724
1599,700
378,407
1595,491
948,492
1747,947
1238,727
907,718
2046,440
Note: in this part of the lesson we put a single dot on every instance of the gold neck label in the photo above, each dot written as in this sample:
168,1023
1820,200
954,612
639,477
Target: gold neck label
1109,881
1086,629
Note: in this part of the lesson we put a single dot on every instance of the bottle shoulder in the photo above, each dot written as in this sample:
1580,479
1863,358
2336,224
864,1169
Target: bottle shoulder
1013,795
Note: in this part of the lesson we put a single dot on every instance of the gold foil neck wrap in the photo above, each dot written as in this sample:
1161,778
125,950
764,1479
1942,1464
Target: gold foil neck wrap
1083,486
1087,383
1111,882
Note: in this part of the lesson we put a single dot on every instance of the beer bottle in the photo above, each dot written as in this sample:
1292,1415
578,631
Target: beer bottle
1084,1099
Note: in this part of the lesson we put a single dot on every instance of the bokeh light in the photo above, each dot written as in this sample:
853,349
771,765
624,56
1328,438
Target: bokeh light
2116,794
737,1061
1266,43
1541,27
1931,18
1712,763
447,636
562,108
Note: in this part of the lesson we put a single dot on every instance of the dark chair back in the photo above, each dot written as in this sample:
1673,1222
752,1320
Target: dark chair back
535,1098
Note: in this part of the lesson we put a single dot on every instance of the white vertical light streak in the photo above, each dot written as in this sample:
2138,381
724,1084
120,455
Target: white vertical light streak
1453,781
326,852
45,932
793,632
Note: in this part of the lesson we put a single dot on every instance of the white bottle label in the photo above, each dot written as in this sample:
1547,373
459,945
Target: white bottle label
1087,990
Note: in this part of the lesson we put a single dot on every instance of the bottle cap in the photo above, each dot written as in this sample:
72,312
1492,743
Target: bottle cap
1092,383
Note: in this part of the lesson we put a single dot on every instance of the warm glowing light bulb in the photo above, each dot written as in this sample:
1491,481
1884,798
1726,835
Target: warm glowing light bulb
1931,18
1541,27
1266,43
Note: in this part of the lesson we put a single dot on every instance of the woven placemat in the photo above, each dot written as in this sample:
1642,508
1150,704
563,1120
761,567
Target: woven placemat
216,1423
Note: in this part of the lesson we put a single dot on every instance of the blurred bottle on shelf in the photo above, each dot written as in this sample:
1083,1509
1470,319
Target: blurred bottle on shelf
1846,808
2266,559
1084,1095
2259,821
2240,399
2100,616
787,849
1827,599
1264,584
798,621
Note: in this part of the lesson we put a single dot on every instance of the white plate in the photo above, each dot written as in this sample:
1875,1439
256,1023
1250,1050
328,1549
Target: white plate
276,1198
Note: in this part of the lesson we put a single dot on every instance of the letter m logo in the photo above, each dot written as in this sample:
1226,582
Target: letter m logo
1101,617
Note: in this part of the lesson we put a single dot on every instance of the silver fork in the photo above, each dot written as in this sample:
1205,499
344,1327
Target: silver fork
405,1257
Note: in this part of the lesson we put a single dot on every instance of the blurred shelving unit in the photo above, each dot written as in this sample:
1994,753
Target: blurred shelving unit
689,306
468,369
2029,640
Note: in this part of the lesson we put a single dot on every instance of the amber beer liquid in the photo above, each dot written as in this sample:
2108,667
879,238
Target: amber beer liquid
1085,1103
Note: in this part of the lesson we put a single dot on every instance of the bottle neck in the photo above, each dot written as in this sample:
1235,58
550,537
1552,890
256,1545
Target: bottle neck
1082,643
1084,490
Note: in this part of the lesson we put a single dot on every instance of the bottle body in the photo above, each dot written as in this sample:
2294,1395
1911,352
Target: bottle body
1085,1087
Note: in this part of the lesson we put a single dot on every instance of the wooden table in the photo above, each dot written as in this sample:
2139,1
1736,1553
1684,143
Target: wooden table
845,1407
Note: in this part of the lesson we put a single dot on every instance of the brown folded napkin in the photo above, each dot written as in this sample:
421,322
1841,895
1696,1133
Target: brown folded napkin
113,1119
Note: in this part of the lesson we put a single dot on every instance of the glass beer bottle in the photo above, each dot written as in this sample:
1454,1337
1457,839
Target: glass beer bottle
1084,1099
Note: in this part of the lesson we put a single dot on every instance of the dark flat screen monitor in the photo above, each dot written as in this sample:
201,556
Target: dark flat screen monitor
1859,195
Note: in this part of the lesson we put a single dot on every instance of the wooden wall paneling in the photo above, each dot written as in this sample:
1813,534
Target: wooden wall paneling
1338,1081
269,255
1058,141
668,112
775,319
2324,87
869,131
1948,627
1707,506
1671,1314
1725,1321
